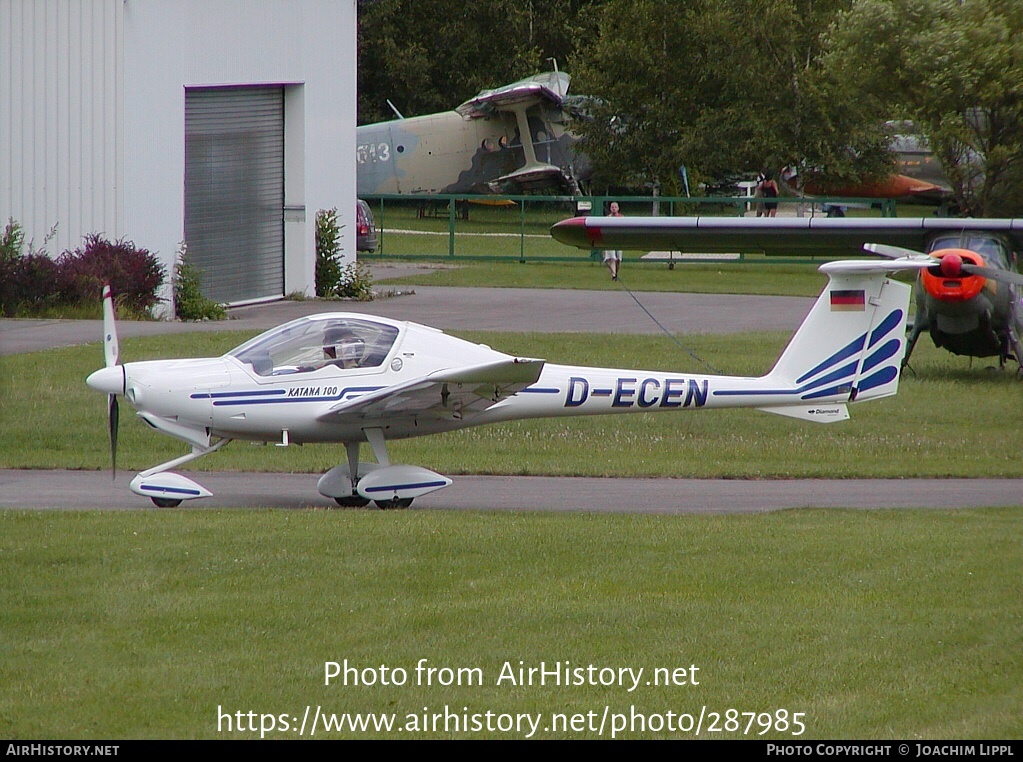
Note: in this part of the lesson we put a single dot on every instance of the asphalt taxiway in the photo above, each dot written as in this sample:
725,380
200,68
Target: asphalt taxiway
476,309
93,490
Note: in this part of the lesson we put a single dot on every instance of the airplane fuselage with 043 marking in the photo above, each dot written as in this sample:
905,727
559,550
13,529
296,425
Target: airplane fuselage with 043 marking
349,379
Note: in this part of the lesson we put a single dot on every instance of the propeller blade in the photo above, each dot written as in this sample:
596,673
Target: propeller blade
1004,276
103,379
893,252
111,348
113,419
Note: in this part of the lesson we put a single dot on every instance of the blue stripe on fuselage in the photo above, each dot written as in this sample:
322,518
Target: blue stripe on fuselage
247,398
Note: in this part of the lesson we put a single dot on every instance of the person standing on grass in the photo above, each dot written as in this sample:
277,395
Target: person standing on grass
613,257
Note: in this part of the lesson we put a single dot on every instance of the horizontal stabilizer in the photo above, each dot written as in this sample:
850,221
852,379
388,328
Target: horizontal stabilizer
830,413
867,266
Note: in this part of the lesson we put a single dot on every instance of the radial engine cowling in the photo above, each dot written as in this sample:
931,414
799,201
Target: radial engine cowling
948,281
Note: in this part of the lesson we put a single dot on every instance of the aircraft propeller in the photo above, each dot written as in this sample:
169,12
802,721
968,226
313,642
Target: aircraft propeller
951,264
113,417
1004,276
111,355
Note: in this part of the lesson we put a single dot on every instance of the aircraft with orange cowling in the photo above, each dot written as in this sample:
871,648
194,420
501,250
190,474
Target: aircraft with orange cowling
967,299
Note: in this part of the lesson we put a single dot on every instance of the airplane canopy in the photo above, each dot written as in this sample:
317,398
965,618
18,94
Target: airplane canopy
299,346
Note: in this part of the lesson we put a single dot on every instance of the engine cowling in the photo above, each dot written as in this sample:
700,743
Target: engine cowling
947,280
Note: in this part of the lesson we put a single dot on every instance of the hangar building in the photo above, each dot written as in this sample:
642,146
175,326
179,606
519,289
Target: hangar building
222,123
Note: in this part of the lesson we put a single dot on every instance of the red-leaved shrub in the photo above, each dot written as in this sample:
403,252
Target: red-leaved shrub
27,282
134,274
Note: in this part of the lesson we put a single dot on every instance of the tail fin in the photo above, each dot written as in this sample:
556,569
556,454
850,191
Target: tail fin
850,347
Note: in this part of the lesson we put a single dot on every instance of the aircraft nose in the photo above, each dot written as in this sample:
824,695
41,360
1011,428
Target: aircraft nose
108,380
952,265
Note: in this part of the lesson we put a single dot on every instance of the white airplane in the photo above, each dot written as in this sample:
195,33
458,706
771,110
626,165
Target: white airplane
347,378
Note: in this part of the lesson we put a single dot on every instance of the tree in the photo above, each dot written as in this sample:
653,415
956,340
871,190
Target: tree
955,68
722,87
430,55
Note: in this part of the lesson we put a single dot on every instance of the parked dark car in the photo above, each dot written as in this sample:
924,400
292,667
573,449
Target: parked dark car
365,228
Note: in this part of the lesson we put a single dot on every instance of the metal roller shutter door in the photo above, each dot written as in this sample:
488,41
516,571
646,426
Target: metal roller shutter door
234,190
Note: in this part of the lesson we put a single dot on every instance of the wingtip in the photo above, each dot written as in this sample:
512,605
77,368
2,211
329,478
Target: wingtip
574,232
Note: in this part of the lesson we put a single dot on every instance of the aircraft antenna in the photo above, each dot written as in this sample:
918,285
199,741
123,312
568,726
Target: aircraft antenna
394,108
668,333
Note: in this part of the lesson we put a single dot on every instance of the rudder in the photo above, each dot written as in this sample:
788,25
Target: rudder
851,344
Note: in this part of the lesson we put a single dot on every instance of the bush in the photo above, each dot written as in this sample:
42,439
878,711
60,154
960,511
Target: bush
11,241
134,274
189,302
35,282
328,252
356,282
10,259
27,282
32,283
334,279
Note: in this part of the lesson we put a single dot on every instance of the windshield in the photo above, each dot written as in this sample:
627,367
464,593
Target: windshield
991,248
309,344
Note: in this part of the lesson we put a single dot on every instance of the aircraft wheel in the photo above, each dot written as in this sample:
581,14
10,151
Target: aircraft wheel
386,505
671,265
352,501
165,502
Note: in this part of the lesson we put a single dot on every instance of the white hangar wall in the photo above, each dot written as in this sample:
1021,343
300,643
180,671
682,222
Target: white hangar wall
61,118
94,138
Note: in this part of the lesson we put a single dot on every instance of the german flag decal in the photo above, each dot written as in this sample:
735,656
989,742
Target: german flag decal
847,301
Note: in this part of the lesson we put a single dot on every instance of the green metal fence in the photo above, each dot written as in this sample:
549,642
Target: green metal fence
517,228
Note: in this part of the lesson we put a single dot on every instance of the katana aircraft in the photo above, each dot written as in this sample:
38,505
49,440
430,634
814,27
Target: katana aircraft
967,297
509,140
349,379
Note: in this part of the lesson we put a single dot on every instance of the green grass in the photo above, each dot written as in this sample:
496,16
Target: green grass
725,278
489,231
949,420
877,625
90,311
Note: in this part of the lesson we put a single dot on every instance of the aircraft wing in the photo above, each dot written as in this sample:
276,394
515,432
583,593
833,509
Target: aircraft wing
454,392
816,236
549,86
